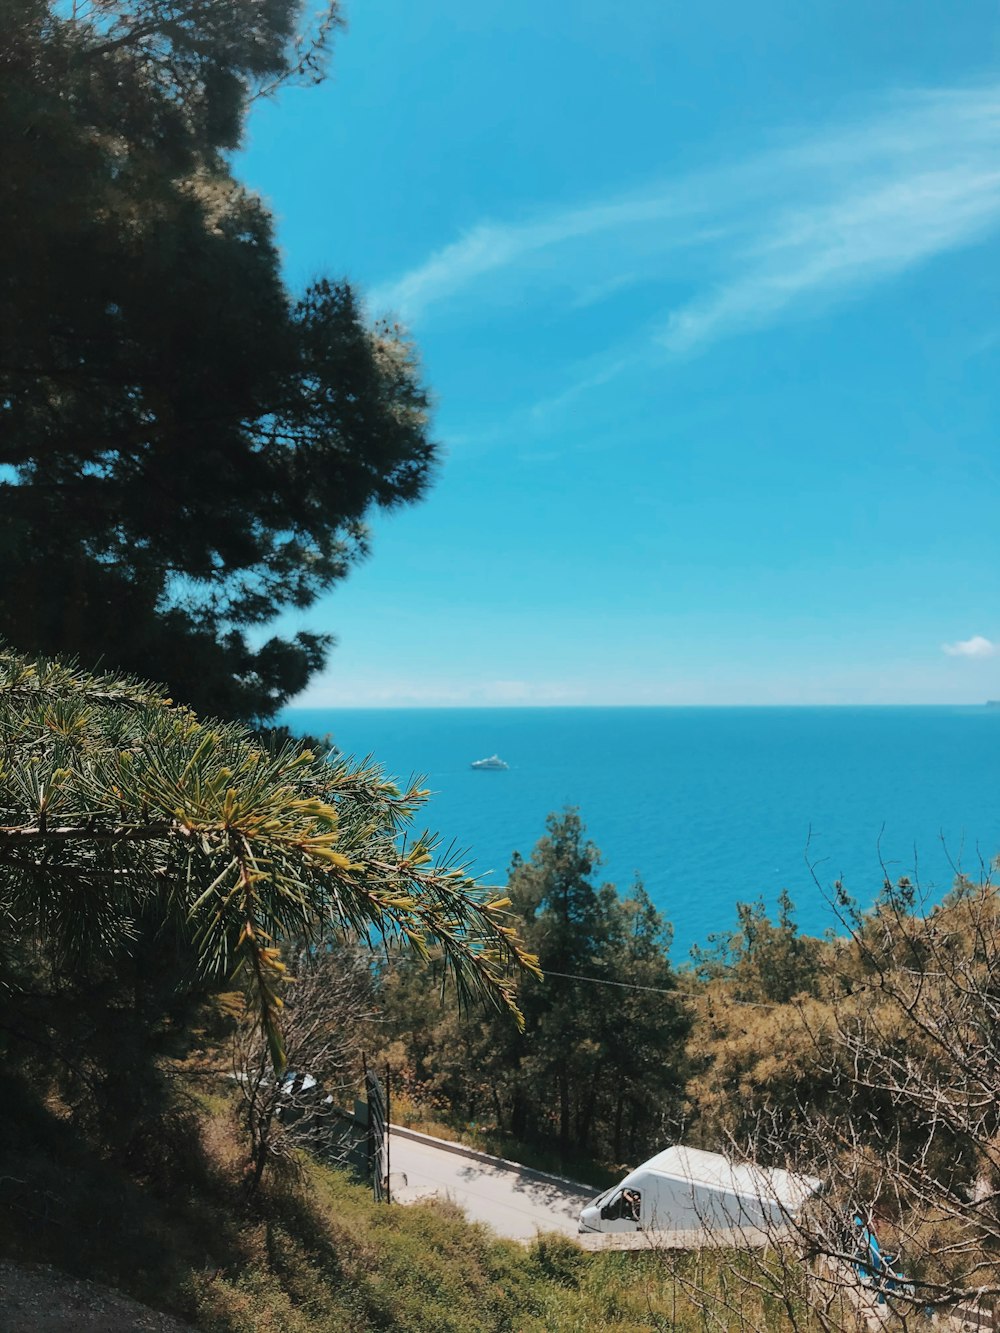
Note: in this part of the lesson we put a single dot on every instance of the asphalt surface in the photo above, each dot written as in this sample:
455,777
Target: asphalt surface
515,1201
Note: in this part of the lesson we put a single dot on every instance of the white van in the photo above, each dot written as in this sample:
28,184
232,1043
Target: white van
687,1190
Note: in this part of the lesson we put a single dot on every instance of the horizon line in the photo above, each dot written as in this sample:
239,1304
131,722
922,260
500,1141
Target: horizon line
581,707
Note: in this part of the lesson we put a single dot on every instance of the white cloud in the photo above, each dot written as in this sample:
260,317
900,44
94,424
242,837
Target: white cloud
977,646
825,216
835,249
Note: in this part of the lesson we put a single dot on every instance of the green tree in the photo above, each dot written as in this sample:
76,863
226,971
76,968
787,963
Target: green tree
599,1068
186,447
148,859
763,960
601,1060
646,1032
564,914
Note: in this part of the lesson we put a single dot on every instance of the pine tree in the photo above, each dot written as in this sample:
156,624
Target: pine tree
148,858
186,447
605,1058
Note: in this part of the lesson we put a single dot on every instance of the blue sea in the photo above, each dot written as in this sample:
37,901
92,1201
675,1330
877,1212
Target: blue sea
707,805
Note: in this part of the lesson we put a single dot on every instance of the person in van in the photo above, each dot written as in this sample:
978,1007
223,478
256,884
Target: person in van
624,1207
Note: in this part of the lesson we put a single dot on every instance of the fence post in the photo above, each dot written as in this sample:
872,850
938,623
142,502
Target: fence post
388,1140
378,1135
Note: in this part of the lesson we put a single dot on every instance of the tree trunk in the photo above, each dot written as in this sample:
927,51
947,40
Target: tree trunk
563,1109
586,1117
617,1138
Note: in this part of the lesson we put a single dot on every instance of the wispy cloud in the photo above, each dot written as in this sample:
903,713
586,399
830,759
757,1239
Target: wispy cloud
977,646
492,247
821,218
833,250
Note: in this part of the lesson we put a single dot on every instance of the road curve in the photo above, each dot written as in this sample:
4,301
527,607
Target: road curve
514,1200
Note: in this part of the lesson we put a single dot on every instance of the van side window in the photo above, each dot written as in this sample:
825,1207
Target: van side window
625,1205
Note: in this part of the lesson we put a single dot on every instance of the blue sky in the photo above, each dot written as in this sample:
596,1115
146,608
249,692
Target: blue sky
708,299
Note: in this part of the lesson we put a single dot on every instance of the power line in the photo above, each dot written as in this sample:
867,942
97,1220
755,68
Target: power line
673,990
656,990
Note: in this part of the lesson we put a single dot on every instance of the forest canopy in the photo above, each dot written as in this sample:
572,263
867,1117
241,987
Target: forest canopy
187,447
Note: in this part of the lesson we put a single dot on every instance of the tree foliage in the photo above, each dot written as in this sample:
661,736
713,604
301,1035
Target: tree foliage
885,1085
761,1020
762,960
186,447
599,1067
597,1053
147,858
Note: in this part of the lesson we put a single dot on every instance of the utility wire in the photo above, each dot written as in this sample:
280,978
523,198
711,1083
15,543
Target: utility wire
672,990
656,990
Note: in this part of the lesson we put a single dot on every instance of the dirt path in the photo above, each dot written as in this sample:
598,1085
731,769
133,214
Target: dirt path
37,1299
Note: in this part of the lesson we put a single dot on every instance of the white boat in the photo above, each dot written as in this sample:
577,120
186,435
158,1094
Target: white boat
494,761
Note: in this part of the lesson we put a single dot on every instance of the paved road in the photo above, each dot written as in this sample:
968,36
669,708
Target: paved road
513,1200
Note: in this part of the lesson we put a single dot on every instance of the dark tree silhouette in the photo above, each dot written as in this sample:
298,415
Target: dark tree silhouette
186,447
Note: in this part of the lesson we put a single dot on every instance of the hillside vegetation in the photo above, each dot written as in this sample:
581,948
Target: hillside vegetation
314,1254
866,1059
163,876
